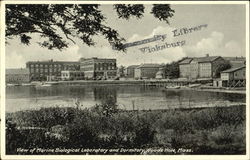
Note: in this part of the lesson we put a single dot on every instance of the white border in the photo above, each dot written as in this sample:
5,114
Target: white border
140,157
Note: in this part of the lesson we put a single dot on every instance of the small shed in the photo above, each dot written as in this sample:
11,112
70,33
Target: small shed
234,77
238,73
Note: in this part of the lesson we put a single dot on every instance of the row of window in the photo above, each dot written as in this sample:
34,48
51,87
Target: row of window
99,65
50,65
32,70
72,74
105,67
17,79
42,75
65,74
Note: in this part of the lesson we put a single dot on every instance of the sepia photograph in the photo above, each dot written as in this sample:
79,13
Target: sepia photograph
124,78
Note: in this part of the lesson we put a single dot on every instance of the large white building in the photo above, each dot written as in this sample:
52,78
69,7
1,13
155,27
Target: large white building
200,67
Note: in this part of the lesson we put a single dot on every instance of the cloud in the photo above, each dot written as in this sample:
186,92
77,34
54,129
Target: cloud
13,60
159,30
211,43
102,50
135,56
16,58
208,45
214,45
232,48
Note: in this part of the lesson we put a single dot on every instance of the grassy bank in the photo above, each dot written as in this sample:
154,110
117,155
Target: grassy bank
218,130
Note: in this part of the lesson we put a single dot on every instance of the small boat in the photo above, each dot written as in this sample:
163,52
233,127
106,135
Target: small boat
10,84
26,84
194,85
43,85
172,87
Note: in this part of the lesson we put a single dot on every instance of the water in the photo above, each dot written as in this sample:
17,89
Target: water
141,97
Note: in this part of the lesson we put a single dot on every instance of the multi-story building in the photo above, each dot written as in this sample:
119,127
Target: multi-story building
17,76
146,71
72,75
98,68
200,67
184,67
130,71
41,70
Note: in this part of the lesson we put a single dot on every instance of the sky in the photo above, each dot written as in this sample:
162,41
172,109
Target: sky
224,36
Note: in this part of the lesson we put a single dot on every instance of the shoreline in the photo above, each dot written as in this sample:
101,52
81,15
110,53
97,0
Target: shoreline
201,107
148,83
211,90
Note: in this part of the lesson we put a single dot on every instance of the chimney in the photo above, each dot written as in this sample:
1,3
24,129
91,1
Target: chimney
207,55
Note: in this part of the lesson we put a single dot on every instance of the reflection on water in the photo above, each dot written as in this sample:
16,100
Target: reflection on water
103,93
127,97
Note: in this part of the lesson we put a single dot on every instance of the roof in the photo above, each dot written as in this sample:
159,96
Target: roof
206,59
199,59
133,66
186,61
233,69
17,71
149,65
95,58
51,61
235,58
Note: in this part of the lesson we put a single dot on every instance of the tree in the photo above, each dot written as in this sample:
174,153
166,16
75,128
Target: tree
121,71
59,24
172,69
221,67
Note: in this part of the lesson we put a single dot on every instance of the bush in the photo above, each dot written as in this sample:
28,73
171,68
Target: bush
206,131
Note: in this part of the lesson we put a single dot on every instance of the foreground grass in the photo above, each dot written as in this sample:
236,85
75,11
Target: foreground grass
200,131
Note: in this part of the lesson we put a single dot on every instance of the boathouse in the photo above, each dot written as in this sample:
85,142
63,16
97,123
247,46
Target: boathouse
234,77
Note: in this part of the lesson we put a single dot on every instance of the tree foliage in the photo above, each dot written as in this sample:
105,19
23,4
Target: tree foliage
59,24
159,11
221,67
172,70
